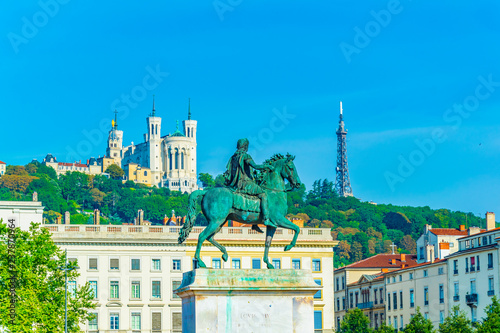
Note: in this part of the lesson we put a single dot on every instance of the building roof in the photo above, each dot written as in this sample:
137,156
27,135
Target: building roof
483,231
2,162
384,261
448,232
436,261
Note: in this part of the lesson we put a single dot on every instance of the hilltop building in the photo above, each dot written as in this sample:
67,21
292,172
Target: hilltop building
164,161
3,167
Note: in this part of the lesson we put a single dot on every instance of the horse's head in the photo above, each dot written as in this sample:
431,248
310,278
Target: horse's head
289,172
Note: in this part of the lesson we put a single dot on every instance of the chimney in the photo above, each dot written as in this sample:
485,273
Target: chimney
97,217
385,270
393,262
462,227
474,230
490,221
432,255
427,228
429,253
403,257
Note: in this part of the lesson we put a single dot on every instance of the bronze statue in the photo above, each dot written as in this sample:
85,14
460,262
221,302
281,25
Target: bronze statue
248,198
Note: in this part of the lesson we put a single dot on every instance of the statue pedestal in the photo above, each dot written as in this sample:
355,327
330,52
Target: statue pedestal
247,300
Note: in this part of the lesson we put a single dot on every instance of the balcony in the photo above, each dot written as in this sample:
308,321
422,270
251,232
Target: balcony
365,305
472,269
491,292
455,271
456,298
471,299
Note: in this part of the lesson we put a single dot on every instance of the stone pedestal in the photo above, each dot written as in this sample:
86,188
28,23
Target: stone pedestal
247,300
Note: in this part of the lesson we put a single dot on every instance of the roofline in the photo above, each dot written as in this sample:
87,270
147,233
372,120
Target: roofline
439,261
474,249
481,233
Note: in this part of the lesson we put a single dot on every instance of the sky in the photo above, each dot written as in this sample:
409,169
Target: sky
419,82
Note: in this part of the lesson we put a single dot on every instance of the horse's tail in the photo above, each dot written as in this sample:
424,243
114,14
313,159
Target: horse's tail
191,215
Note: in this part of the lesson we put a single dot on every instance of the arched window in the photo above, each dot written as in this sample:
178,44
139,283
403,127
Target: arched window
182,160
170,159
145,173
188,132
177,160
152,128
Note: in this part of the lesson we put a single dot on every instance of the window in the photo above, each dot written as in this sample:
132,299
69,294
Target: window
93,264
388,301
472,264
421,253
375,296
338,303
318,293
114,264
490,260
351,300
216,263
93,323
236,264
177,322
337,284
400,278
255,263
400,299
176,264
440,270
425,273
156,321
491,286
136,264
393,279
455,266
412,298
343,283
296,263
473,286
195,264
441,316
156,289
473,313
426,315
343,303
155,264
71,288
357,298
396,322
276,263
114,321
381,295
136,321
478,264
114,290
467,244
401,322
93,287
411,276
395,300
441,294
316,265
175,285
136,290
466,265
426,296
456,289
318,320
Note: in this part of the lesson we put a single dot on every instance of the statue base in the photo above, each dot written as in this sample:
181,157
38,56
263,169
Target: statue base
247,300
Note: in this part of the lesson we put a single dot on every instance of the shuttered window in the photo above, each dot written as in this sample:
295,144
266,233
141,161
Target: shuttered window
114,264
93,263
177,322
156,321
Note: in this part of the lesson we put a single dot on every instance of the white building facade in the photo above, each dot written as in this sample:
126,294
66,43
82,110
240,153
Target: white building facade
134,269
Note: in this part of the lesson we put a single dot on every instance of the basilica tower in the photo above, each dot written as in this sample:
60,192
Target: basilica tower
153,140
190,132
115,142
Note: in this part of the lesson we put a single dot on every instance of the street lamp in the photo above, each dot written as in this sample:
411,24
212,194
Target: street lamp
67,267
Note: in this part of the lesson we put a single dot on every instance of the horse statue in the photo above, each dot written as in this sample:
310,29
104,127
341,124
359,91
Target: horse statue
221,204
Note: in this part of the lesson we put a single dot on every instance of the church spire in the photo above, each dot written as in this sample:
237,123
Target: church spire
189,109
114,123
154,111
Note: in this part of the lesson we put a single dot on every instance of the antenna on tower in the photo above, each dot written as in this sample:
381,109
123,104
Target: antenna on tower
154,111
189,109
342,182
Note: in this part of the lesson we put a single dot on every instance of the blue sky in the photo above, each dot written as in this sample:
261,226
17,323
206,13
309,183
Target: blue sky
419,81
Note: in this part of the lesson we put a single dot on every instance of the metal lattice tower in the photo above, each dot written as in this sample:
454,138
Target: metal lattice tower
342,182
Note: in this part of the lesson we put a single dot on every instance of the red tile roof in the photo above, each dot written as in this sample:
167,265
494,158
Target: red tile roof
448,232
384,261
2,162
418,265
72,164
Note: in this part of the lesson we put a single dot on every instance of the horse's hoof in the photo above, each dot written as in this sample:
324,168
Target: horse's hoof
270,266
224,257
288,247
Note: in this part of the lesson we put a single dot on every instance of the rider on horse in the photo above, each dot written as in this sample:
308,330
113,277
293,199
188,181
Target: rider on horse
239,176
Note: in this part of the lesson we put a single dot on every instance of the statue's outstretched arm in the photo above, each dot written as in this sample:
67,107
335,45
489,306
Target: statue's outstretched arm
258,166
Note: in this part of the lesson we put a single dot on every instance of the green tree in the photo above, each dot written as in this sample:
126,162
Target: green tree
206,180
418,324
457,322
17,170
220,181
491,323
39,284
383,328
115,172
355,322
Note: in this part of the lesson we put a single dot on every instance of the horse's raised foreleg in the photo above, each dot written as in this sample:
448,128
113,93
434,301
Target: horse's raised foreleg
208,232
284,223
269,237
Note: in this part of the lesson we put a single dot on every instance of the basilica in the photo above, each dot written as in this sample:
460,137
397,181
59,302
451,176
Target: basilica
164,161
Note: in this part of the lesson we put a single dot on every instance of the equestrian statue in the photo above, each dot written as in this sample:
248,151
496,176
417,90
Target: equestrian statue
253,194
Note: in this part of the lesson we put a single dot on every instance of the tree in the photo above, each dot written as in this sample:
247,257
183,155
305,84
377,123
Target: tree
418,324
457,322
115,172
39,284
343,250
206,180
355,322
408,244
17,170
383,328
492,321
16,183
